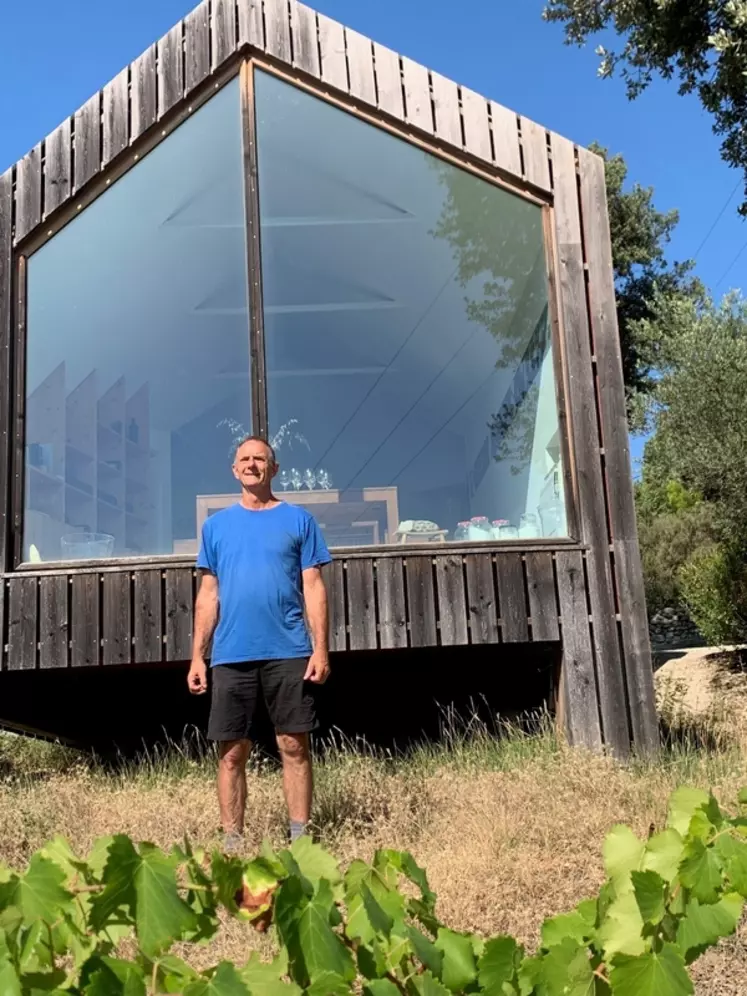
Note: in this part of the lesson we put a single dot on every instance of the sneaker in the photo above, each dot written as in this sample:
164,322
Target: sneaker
233,843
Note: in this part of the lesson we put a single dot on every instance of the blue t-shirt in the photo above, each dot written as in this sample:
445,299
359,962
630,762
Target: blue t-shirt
257,558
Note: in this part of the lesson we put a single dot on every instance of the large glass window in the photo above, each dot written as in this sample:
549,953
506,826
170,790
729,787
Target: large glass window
409,366
138,351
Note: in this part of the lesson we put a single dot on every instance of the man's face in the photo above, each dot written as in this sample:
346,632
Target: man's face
254,466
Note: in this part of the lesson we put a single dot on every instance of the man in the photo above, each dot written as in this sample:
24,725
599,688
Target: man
261,565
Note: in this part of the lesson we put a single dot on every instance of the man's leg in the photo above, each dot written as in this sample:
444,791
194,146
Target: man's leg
297,779
232,785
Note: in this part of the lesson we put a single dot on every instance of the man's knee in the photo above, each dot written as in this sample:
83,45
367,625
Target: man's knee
234,754
293,747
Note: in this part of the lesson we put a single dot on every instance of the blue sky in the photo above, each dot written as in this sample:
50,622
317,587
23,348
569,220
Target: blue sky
56,55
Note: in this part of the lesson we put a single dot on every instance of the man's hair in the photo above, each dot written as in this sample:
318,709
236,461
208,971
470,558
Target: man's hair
253,439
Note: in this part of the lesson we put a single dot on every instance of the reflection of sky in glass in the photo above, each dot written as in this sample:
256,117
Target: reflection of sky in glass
388,336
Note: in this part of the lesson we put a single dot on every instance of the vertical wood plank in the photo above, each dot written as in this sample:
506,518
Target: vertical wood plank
418,109
334,582
305,41
196,46
421,601
476,125
28,193
148,621
117,646
505,127
389,82
277,30
543,603
57,160
611,395
170,70
390,584
481,598
511,598
87,151
143,95
579,681
581,400
360,66
361,604
53,621
332,48
452,603
3,590
446,110
85,638
22,620
116,116
6,265
224,31
179,613
536,162
251,26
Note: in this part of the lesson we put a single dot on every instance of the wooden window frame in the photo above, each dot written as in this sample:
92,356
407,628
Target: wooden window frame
244,67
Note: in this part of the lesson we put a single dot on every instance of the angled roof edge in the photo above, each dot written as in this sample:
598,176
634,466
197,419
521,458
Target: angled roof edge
293,35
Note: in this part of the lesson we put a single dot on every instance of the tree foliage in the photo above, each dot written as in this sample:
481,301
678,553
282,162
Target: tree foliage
105,925
701,44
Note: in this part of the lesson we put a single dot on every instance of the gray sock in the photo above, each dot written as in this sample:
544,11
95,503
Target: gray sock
233,841
297,829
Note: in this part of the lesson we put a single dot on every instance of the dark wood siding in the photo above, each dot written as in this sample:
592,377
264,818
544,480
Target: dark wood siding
590,596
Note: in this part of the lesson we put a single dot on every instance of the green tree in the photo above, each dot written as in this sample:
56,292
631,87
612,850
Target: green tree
701,44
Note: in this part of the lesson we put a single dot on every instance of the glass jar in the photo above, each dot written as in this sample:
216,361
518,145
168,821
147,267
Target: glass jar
479,529
462,531
497,525
508,532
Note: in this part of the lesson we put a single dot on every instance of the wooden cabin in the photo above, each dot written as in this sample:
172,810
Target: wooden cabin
270,223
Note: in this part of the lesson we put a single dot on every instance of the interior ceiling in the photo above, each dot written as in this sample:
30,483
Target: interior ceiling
349,260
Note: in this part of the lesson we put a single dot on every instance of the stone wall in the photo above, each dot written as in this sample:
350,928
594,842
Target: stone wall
670,629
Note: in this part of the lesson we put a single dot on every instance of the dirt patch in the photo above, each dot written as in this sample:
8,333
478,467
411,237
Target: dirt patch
706,684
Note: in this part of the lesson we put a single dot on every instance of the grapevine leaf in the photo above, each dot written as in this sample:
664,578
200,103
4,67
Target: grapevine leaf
578,924
225,981
703,925
734,855
742,797
175,973
425,950
9,982
650,893
227,879
119,882
663,853
380,987
59,851
116,978
162,915
701,870
498,964
379,919
322,949
622,853
361,918
265,979
327,984
459,967
290,902
621,928
530,974
427,985
314,862
655,973
39,893
406,864
683,804
567,971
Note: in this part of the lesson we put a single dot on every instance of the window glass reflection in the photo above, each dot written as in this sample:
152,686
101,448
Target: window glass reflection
410,375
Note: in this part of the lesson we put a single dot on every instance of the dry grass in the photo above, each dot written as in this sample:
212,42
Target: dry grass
510,829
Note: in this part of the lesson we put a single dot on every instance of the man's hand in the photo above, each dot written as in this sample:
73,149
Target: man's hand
318,670
197,677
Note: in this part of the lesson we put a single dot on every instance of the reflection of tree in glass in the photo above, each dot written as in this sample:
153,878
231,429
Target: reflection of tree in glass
498,244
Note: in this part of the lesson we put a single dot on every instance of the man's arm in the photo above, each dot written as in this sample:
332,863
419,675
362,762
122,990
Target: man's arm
315,598
206,619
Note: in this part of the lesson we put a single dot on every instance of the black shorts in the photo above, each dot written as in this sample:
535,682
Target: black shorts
235,690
